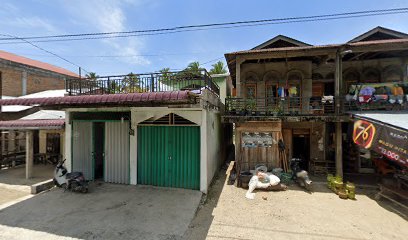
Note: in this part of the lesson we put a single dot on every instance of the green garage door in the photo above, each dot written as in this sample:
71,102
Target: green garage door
169,156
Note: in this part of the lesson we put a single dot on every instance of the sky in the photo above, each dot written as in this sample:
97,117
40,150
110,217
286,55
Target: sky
144,54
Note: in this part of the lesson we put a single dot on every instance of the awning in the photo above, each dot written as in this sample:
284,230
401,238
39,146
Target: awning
105,99
385,133
32,124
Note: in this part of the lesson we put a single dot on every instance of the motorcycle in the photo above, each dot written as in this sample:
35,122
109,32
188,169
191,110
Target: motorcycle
299,175
74,181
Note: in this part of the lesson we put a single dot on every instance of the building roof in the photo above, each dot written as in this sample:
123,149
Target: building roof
288,52
32,124
34,63
399,120
105,99
281,41
379,33
45,114
43,94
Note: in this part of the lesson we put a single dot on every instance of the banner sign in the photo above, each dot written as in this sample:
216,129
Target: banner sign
388,141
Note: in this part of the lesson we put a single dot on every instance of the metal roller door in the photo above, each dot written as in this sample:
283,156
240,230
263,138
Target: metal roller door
169,156
82,148
116,152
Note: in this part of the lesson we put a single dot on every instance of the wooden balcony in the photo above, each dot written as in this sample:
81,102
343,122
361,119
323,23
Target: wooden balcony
277,106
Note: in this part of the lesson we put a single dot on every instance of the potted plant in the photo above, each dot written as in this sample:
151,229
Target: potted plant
251,107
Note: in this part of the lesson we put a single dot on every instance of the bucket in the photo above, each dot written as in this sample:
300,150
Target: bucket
329,181
244,178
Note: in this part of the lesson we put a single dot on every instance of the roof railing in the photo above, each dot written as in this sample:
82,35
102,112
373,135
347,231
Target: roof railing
191,80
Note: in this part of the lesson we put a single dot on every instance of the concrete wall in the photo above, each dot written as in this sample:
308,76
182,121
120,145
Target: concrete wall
225,85
213,136
210,128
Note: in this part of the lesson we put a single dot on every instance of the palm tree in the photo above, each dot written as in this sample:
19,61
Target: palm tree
165,74
131,83
218,68
91,76
193,67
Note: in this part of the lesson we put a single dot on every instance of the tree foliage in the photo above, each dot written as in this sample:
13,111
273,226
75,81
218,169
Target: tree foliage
218,68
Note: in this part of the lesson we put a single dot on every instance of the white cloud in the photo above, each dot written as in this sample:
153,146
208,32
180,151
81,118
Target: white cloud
32,22
109,16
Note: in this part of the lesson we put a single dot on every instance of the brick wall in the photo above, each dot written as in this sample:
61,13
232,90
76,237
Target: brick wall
37,80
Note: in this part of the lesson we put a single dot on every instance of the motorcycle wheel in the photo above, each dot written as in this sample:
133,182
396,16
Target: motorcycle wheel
64,186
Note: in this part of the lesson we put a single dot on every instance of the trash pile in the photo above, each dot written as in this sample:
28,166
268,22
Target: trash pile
345,191
262,179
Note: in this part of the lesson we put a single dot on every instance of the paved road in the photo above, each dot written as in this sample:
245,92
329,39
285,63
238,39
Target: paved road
109,211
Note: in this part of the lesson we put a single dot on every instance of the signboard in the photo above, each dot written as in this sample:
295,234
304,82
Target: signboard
256,139
388,141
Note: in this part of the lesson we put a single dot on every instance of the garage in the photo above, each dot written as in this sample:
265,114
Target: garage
168,156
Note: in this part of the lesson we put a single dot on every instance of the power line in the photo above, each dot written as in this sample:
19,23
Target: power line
126,56
42,49
225,24
205,29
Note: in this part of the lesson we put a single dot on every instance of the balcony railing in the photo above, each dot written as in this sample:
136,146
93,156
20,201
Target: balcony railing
375,103
277,106
153,82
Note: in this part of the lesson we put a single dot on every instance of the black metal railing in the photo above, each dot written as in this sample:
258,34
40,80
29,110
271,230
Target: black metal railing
277,106
375,103
194,81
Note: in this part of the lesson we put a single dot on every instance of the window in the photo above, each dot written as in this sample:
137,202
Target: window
250,91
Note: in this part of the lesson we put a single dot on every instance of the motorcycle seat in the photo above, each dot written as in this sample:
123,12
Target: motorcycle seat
73,175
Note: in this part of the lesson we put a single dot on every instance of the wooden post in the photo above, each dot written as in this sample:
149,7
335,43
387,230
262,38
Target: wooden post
339,150
29,154
338,81
238,77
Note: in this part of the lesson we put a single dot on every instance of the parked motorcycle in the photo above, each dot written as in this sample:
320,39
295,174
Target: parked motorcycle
74,181
299,175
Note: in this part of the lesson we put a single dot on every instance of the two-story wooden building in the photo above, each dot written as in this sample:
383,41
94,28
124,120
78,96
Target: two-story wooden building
304,95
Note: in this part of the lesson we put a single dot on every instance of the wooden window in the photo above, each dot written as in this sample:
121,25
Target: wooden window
271,93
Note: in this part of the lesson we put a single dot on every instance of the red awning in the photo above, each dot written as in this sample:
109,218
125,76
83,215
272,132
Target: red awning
32,124
105,99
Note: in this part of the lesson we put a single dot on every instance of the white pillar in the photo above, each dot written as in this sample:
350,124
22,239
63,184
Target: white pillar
67,142
29,154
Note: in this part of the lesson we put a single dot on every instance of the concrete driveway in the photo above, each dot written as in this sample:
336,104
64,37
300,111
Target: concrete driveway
109,211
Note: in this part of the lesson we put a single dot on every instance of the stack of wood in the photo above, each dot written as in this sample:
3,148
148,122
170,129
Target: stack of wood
283,160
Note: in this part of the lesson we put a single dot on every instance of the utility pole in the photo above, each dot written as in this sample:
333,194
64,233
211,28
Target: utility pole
80,72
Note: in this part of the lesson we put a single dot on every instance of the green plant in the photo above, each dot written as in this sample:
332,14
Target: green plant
250,105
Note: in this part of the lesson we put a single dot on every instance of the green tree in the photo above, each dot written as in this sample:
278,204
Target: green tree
92,76
165,75
132,83
218,68
193,67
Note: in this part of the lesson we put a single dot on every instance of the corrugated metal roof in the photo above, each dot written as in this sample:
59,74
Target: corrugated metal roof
34,63
32,124
47,93
106,99
399,120
45,114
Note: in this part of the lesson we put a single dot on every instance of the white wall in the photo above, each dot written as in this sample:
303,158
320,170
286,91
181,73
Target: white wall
67,149
213,138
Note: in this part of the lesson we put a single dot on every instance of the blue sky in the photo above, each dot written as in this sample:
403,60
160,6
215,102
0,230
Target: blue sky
40,17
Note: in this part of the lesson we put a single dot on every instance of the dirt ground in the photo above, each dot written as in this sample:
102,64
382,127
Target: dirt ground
294,214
